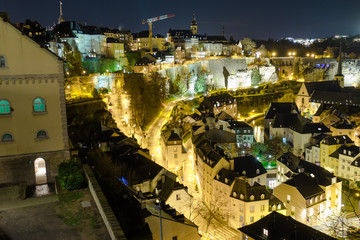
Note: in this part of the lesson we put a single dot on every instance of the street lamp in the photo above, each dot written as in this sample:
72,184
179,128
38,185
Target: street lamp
158,207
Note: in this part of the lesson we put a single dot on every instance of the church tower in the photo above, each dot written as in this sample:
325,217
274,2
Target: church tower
61,18
339,76
194,26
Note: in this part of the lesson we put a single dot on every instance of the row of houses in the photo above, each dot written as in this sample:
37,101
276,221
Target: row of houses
236,185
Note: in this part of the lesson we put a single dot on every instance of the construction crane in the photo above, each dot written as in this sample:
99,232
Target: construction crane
150,21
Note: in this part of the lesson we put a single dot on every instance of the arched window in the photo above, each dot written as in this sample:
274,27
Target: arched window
5,107
39,105
262,196
41,134
252,198
7,137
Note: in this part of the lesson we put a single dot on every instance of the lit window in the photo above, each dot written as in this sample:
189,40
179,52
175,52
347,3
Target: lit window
265,232
252,208
2,61
4,107
7,137
39,105
41,134
262,208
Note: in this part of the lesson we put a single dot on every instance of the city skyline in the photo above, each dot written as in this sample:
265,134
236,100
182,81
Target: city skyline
240,19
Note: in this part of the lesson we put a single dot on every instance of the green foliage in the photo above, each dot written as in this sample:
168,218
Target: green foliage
102,65
200,84
248,46
103,91
95,93
255,77
178,87
132,57
70,175
73,59
147,96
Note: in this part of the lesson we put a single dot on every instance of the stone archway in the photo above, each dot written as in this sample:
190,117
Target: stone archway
40,171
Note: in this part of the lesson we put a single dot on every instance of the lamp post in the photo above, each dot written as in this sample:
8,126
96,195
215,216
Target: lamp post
158,207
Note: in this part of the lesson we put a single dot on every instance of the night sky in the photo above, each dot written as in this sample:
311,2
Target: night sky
259,19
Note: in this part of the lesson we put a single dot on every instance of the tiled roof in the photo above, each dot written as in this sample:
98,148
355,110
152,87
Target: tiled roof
226,176
280,107
248,166
351,151
328,86
306,185
333,140
282,227
244,192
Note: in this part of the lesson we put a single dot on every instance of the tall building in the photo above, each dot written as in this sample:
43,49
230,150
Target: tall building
33,127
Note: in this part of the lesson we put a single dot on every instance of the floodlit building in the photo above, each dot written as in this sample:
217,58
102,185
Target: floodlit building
33,127
310,198
173,150
294,128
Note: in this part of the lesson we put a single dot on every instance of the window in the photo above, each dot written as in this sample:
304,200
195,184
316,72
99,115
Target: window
251,219
175,238
262,207
39,105
252,209
175,155
241,218
4,107
265,232
178,197
7,137
175,149
252,198
262,196
41,134
2,61
288,198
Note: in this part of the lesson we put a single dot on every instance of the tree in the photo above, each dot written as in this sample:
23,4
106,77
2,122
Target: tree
73,59
248,46
70,175
329,52
255,77
200,84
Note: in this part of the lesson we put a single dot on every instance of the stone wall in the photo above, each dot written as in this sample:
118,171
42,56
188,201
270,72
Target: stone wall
112,225
234,70
326,68
20,168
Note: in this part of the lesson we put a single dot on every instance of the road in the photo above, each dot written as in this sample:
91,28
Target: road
154,131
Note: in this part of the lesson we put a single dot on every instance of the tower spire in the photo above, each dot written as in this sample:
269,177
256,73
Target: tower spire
61,18
194,26
339,76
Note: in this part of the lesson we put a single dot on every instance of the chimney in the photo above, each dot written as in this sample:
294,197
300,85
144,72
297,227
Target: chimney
231,164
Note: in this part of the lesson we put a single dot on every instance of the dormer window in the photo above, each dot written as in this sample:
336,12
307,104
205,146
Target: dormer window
241,196
252,198
257,171
262,196
234,194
